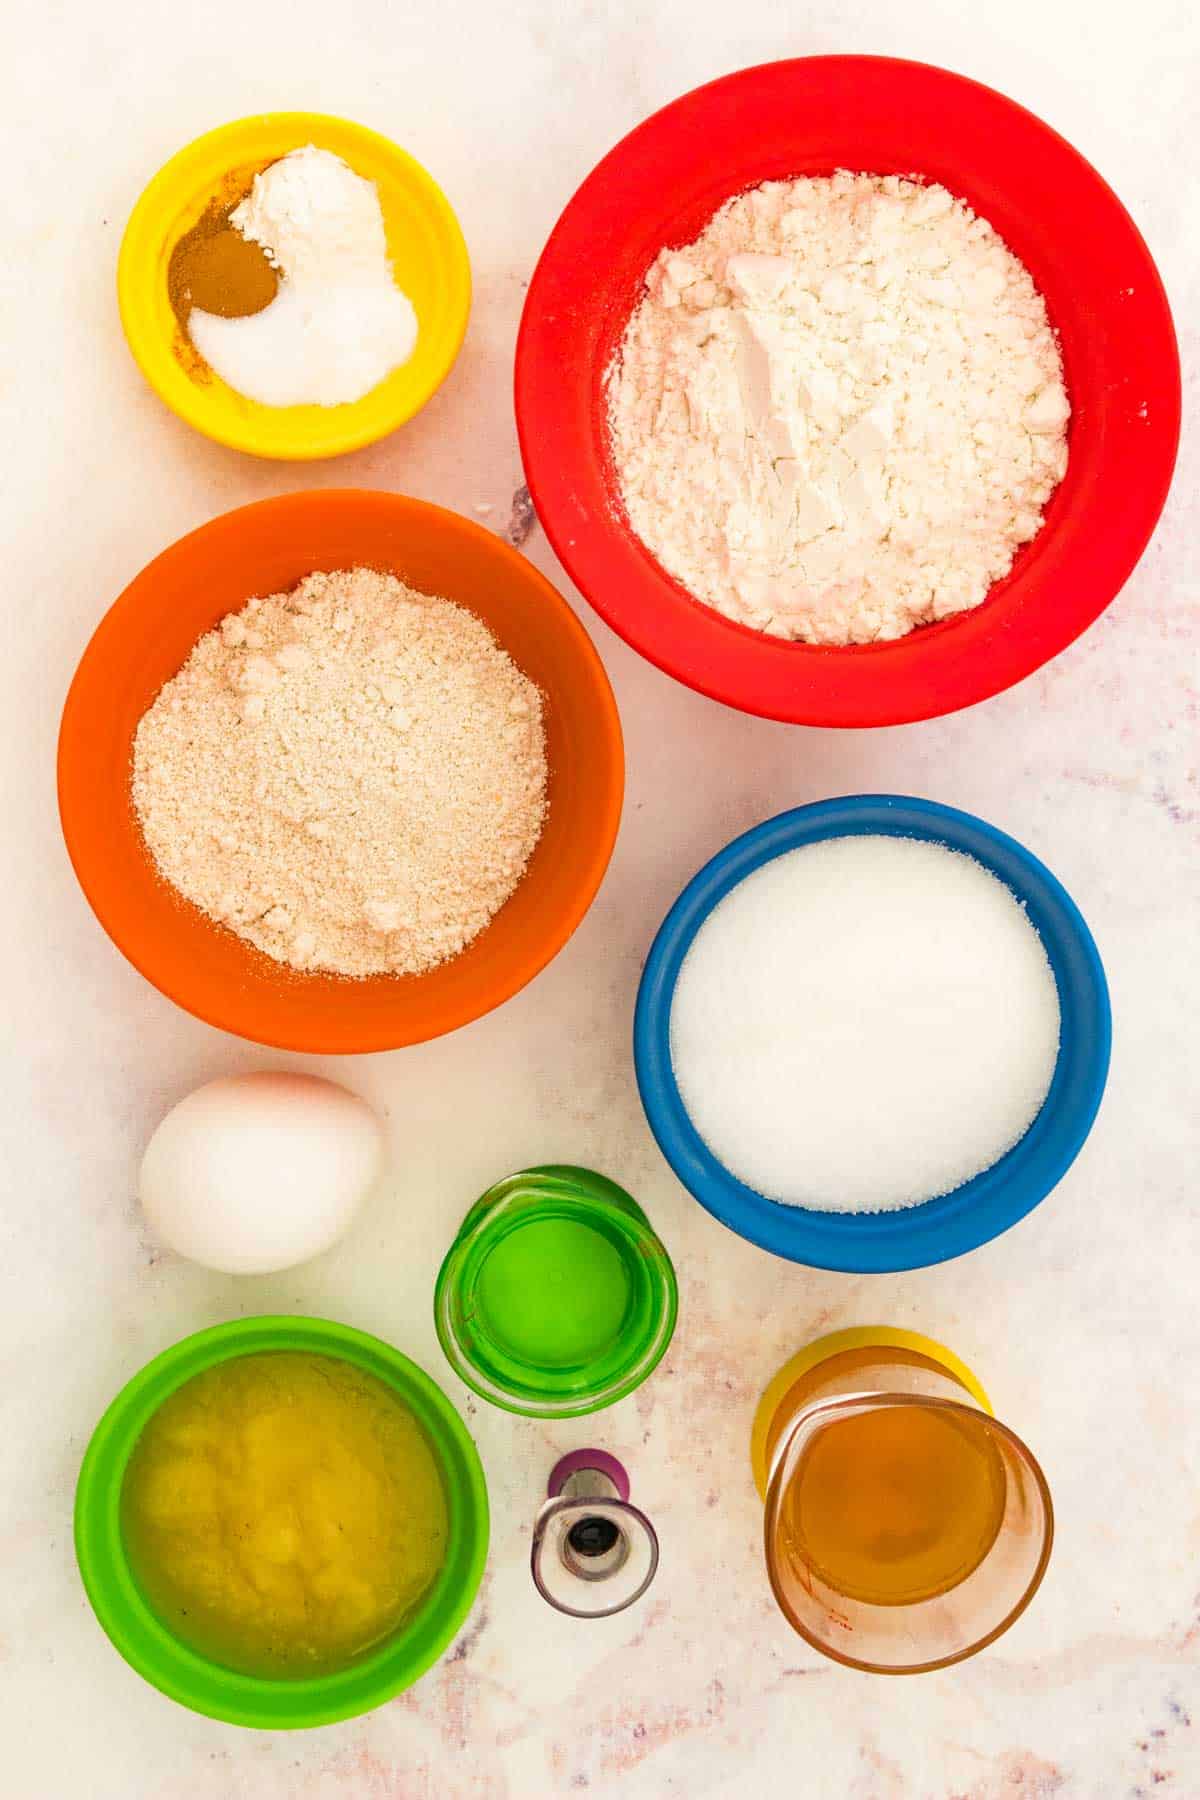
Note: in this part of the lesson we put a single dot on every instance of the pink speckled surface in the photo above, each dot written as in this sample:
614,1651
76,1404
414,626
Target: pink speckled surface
1082,1321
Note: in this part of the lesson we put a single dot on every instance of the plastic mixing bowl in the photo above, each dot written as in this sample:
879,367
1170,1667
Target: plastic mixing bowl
192,1679
425,246
661,184
911,1237
147,635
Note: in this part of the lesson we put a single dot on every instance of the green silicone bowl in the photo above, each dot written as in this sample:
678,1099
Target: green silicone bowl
207,1687
556,1298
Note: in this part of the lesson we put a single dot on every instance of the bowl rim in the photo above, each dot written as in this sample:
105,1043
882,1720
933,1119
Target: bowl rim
362,423
120,620
934,1231
624,583
185,1675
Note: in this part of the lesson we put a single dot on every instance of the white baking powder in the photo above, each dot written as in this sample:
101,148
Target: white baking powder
338,323
840,411
864,1023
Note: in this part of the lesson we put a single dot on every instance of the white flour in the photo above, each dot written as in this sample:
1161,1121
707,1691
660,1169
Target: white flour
338,323
840,411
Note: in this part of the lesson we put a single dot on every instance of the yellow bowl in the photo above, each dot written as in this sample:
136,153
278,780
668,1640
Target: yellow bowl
429,259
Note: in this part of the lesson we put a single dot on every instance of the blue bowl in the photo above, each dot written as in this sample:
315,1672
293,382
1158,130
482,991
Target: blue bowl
912,1237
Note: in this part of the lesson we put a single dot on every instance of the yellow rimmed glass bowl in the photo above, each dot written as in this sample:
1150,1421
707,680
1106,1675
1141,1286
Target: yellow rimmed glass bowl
429,261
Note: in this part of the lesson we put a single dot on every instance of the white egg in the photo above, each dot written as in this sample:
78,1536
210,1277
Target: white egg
254,1173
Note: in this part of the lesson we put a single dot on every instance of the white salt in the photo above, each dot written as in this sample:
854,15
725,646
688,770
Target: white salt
864,1023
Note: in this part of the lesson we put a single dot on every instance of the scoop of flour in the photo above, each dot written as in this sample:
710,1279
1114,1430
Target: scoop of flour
338,323
840,411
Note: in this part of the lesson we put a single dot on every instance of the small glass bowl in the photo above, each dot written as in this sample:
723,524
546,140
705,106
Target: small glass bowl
518,1328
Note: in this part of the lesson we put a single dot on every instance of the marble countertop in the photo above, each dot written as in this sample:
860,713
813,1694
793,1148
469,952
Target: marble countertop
1083,1320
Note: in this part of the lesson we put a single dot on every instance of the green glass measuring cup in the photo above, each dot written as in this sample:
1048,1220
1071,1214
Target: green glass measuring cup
556,1297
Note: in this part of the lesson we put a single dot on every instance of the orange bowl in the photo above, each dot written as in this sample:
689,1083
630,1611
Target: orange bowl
144,639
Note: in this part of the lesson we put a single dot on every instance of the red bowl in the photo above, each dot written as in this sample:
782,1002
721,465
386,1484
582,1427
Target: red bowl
811,116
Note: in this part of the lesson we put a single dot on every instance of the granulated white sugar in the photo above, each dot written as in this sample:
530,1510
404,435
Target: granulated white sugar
864,1023
352,776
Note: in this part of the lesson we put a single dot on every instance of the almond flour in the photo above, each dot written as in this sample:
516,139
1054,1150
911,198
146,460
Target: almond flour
351,776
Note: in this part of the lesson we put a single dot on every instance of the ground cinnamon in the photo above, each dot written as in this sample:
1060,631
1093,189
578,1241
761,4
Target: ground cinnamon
215,268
